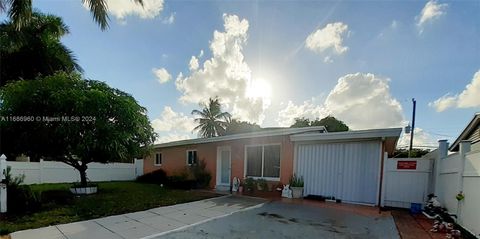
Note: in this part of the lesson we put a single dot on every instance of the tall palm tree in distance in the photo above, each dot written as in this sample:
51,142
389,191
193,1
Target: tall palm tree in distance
20,11
211,120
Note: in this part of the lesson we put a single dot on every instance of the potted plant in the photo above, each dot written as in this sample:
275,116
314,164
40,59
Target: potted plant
262,185
249,185
296,184
460,196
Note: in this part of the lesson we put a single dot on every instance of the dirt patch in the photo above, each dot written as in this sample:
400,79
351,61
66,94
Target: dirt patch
274,215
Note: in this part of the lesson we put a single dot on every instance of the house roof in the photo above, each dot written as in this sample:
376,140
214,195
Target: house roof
261,133
390,135
466,133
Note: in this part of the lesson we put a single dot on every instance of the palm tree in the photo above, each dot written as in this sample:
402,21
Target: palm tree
211,120
35,50
20,11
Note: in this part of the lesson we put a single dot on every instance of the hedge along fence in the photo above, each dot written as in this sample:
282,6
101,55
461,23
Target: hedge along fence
58,172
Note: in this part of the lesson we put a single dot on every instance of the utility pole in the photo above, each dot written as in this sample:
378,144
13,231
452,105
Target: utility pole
413,127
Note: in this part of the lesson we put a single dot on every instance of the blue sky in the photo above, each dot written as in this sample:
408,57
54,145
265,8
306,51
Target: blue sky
364,63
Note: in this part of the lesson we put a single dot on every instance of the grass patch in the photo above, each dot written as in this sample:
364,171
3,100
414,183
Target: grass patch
112,198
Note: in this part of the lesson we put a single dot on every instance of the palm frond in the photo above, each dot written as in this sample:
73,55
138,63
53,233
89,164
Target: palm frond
20,12
98,8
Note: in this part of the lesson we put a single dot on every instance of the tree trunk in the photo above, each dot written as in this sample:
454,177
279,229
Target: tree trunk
83,175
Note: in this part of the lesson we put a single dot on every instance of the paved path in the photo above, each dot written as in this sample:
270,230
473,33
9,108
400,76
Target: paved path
145,224
282,220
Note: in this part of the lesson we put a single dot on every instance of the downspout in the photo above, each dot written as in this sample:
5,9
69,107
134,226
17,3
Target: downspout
382,162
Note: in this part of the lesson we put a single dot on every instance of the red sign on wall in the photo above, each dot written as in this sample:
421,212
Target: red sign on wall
412,165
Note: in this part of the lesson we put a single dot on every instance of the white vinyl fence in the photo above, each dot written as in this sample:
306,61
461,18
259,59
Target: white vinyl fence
58,172
455,173
406,181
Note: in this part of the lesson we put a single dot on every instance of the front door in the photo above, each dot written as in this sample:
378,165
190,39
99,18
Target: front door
223,168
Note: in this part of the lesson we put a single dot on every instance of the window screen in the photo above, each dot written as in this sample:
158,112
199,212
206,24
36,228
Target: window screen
254,161
271,161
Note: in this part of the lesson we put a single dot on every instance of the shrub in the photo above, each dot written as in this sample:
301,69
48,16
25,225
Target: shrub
192,177
262,184
180,182
20,198
296,181
60,197
157,177
201,175
249,184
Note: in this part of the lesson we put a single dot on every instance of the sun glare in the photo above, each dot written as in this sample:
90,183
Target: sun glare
259,88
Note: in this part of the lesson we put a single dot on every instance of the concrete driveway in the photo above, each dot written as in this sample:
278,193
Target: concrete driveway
290,220
145,224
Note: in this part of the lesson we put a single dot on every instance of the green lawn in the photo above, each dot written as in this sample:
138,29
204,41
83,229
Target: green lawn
112,198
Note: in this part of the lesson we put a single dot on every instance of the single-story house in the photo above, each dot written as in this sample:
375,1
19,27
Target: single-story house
345,165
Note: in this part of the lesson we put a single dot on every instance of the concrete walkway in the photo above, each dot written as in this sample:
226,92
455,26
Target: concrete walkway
146,224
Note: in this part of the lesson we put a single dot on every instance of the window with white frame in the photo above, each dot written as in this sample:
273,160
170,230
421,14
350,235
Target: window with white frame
263,161
158,159
192,157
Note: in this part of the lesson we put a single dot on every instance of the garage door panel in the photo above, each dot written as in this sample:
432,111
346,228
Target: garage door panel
348,171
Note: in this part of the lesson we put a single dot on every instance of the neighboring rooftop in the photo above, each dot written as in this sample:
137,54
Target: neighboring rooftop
471,132
261,133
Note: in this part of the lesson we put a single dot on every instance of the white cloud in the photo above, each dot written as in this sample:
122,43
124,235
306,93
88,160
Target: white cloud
468,98
162,75
361,100
123,8
172,126
170,19
327,59
364,101
171,137
328,39
432,11
193,65
310,109
394,24
420,140
225,75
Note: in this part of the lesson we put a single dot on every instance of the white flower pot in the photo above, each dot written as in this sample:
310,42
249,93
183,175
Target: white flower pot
83,190
297,192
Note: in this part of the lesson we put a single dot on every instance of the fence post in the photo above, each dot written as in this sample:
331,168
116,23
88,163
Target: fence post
465,147
442,154
40,170
3,186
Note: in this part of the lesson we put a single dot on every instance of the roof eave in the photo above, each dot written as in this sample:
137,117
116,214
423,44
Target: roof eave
272,133
476,119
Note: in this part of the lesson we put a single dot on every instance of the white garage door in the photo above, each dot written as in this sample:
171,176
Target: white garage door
346,171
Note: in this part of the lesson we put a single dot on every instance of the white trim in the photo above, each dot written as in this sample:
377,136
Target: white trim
263,160
349,135
155,159
189,150
263,133
219,166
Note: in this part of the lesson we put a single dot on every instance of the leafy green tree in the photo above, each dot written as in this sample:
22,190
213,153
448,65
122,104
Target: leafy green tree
211,120
35,50
331,124
300,123
20,11
235,126
416,153
73,120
